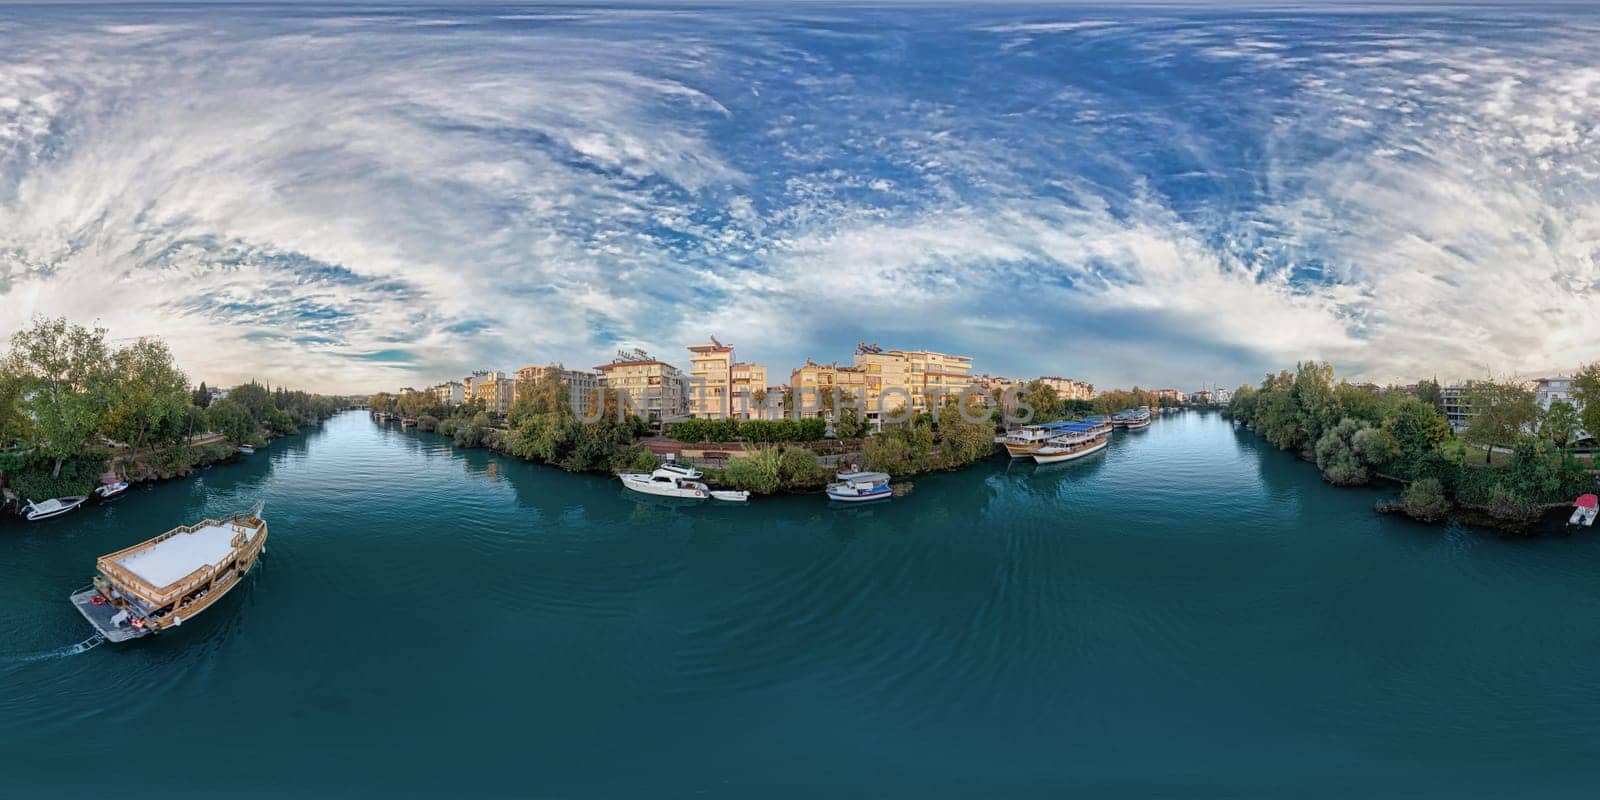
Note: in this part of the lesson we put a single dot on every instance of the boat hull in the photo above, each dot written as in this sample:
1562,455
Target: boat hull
859,498
659,490
1056,458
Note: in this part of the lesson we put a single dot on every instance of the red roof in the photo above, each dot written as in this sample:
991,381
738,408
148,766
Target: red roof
1587,501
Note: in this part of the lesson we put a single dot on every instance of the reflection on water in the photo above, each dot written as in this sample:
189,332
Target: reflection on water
1174,607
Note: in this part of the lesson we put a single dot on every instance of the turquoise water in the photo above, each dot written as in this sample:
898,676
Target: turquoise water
1190,614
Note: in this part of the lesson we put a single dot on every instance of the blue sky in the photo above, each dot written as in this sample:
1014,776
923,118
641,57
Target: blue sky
366,196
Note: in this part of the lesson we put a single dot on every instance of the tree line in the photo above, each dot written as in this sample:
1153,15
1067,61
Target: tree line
1356,432
70,402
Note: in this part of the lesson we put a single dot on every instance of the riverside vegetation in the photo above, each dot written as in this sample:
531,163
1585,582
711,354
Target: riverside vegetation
1356,433
780,454
72,407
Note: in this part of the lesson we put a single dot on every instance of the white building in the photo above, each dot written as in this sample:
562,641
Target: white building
1550,390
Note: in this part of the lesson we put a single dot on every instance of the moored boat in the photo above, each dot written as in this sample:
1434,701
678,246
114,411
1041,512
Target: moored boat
1023,441
110,486
1082,440
246,450
857,487
676,480
1584,511
54,507
1136,419
163,582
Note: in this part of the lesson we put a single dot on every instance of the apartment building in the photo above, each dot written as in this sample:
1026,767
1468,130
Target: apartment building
1068,388
749,390
450,393
654,389
812,382
711,380
583,388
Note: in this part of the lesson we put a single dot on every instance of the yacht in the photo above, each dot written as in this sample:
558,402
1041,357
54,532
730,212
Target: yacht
1023,441
162,582
676,480
53,507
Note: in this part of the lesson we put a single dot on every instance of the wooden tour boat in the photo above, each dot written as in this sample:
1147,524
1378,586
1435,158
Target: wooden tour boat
161,583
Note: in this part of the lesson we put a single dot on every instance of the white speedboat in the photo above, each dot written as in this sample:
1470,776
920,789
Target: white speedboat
675,480
53,507
246,450
110,489
1081,440
1584,511
858,487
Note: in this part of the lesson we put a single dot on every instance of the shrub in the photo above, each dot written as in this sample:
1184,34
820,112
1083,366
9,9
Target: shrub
1424,500
759,472
427,423
798,468
634,458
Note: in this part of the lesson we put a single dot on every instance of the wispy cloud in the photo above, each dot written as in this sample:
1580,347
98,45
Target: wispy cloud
370,198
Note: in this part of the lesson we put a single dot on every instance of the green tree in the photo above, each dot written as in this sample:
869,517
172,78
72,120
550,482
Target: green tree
1586,390
151,394
1428,391
1337,456
202,396
1424,500
1502,412
1560,423
1041,397
231,420
255,399
62,378
1416,428
1315,399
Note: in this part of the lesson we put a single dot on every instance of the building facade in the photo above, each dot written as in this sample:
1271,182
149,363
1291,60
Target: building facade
1457,405
751,399
1068,388
935,376
813,382
583,388
711,380
654,389
450,393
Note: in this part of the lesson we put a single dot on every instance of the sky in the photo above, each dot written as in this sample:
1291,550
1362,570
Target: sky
362,197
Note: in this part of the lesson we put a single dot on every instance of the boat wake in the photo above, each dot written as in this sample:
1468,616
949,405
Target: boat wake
60,652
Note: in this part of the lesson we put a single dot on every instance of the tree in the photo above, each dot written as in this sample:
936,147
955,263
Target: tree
1559,423
1315,399
231,420
851,424
150,394
255,398
202,395
1502,412
1416,429
1586,390
1337,457
1041,397
1424,500
61,375
1428,391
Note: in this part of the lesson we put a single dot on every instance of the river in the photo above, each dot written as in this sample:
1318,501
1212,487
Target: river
1189,614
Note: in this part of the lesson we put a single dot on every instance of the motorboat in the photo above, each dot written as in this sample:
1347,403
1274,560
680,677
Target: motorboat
53,507
110,486
676,480
246,450
857,487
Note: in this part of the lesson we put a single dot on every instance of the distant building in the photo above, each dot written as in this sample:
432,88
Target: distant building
1068,388
1558,389
654,389
925,376
496,391
1171,395
1457,405
711,387
749,392
1201,398
476,386
814,384
882,372
582,387
450,393
1222,397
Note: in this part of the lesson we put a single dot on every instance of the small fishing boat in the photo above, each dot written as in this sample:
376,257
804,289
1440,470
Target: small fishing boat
1084,439
246,450
858,487
110,486
676,480
165,581
53,507
1584,511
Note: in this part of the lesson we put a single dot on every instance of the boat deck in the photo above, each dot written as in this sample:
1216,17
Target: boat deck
100,617
169,560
